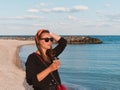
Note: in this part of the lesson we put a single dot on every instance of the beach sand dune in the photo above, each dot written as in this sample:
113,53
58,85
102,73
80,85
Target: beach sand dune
12,76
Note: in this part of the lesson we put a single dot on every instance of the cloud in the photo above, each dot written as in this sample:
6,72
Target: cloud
108,5
60,9
33,10
73,9
45,10
28,17
42,4
33,17
113,17
11,18
99,12
80,8
37,24
63,23
72,18
104,21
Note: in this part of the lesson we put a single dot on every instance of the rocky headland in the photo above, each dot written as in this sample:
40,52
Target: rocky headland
82,40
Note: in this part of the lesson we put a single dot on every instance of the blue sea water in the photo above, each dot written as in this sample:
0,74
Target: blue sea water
88,66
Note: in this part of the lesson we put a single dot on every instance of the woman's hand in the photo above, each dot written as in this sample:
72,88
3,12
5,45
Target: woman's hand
55,65
55,36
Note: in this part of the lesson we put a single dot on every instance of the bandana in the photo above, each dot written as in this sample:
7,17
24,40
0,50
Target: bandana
38,35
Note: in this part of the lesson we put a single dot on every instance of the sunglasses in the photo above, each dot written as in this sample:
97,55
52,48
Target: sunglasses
47,39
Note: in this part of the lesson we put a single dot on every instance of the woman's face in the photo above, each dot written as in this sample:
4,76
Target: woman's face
46,41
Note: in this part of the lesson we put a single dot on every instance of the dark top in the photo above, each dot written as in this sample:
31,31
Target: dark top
34,66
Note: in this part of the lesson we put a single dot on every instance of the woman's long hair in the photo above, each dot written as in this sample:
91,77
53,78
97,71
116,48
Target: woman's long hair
37,41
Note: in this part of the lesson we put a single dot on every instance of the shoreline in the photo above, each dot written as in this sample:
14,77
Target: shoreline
18,61
12,75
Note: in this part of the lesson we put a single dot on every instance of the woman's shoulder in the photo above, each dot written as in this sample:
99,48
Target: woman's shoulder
31,57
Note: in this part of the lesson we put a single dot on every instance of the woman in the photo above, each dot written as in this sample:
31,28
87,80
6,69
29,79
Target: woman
41,69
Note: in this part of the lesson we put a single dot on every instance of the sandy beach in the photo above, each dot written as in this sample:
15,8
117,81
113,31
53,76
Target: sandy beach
12,76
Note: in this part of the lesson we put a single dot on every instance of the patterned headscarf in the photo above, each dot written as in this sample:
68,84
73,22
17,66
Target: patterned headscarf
38,35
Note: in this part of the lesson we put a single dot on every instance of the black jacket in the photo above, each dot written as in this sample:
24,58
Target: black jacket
35,66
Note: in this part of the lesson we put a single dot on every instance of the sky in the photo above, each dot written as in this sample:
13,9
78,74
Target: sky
64,17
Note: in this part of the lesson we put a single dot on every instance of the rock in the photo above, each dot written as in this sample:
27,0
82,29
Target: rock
82,40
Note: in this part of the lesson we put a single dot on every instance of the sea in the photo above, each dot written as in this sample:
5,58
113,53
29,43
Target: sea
87,66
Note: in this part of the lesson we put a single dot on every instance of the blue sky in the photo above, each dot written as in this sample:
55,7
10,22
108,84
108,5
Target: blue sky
64,17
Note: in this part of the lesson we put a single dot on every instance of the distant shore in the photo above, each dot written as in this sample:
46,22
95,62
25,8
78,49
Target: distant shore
12,76
71,39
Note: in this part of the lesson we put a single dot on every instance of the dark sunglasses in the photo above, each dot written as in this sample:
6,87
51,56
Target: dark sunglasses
47,39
